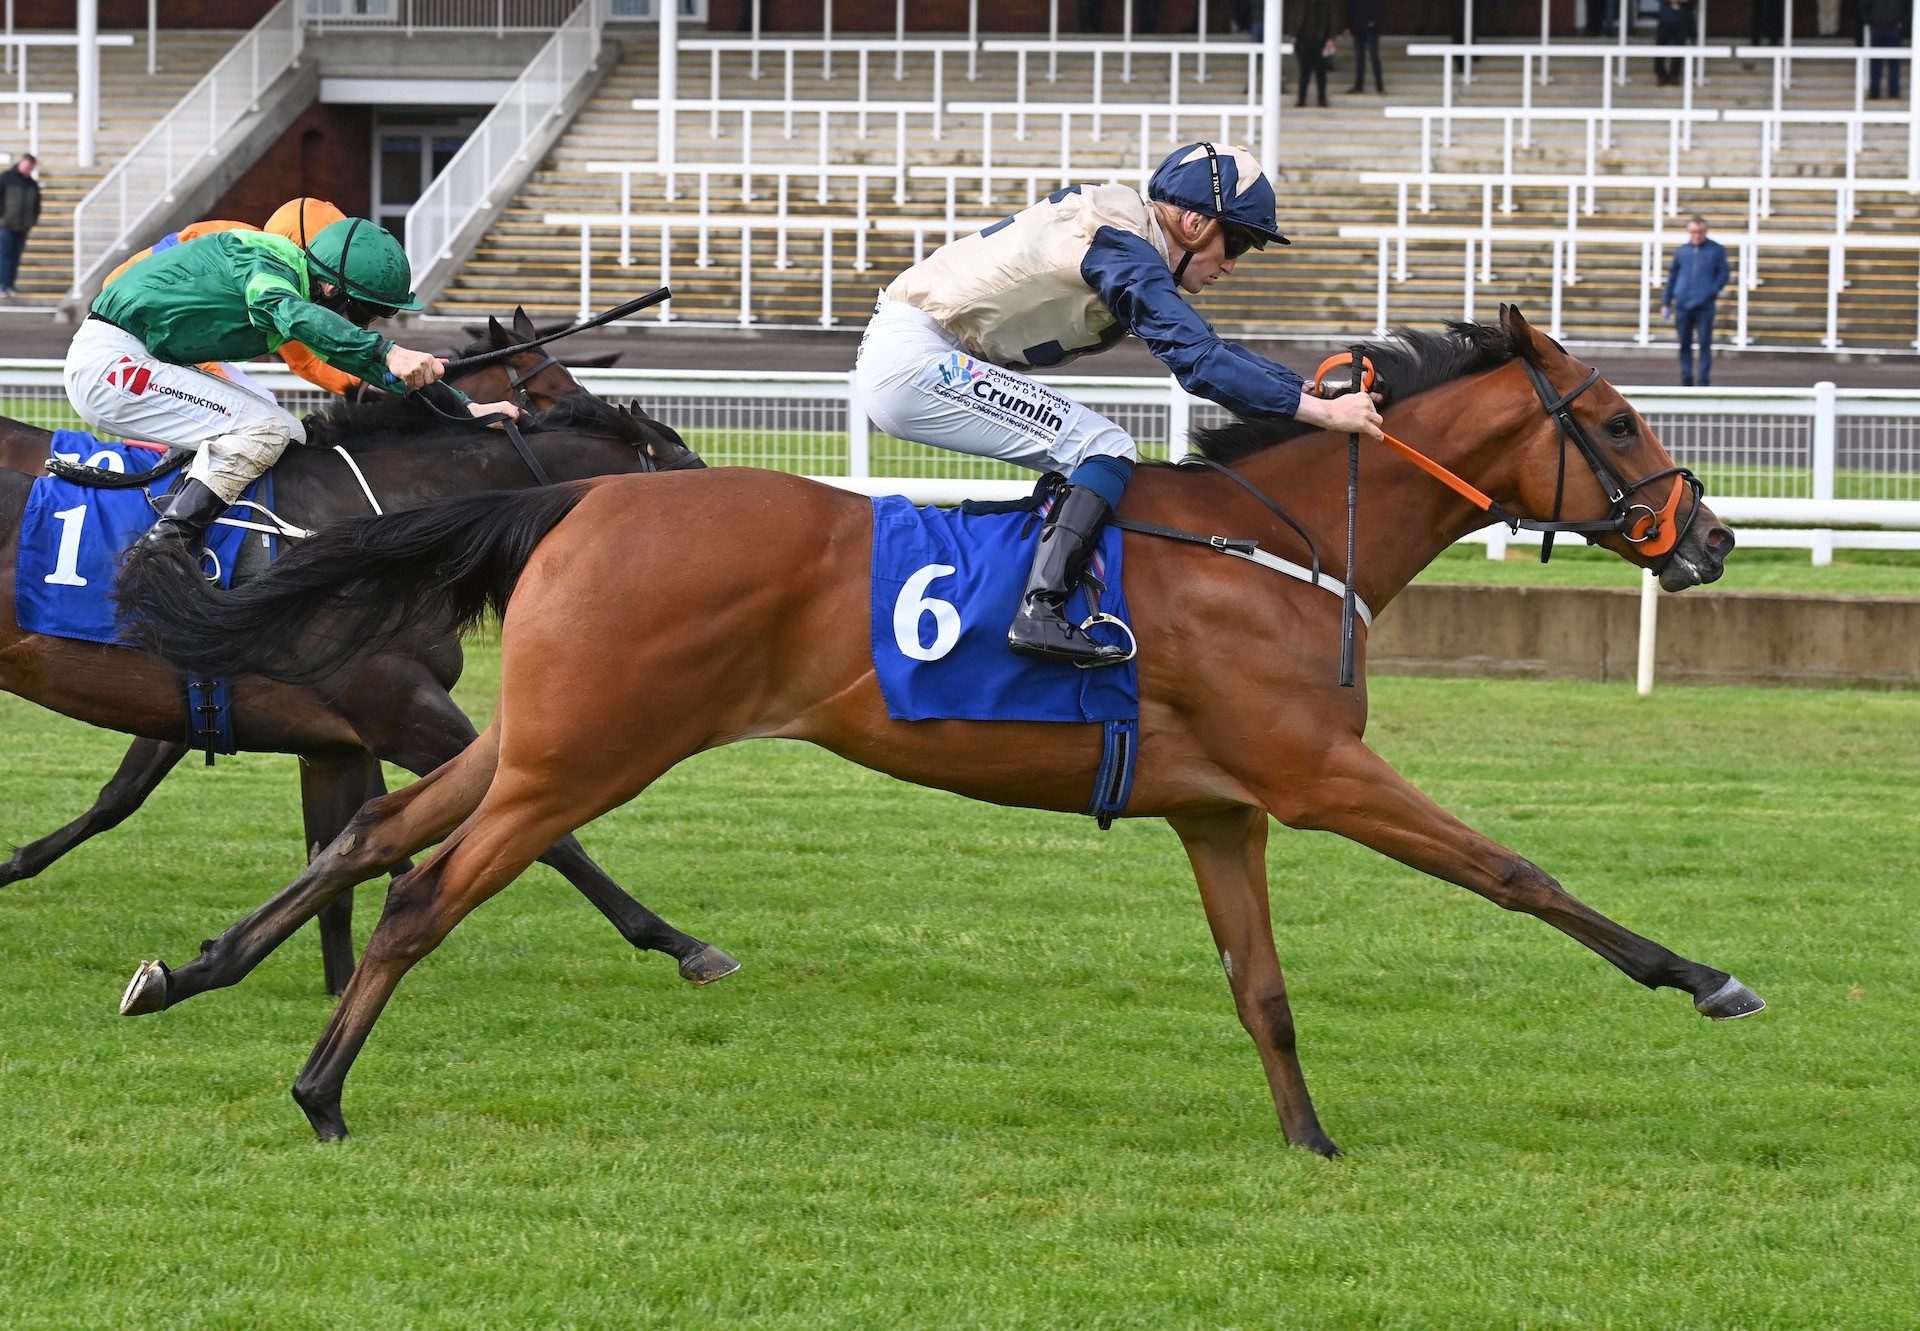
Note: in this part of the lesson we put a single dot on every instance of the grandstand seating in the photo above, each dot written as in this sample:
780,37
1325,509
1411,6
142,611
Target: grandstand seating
132,101
1324,286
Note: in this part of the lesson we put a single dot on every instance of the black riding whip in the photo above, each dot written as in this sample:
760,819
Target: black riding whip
634,306
1353,508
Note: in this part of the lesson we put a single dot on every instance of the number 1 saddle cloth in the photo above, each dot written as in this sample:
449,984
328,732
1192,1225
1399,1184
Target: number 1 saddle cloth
72,537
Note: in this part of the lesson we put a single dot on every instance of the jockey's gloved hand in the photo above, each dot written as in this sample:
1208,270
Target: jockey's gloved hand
415,369
481,410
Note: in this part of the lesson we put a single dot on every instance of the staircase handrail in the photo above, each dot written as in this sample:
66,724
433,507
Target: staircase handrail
143,182
498,145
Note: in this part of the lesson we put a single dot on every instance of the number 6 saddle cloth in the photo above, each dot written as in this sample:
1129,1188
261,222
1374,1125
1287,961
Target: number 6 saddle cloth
946,584
72,537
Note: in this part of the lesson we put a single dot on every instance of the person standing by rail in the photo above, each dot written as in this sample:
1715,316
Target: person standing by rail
1694,281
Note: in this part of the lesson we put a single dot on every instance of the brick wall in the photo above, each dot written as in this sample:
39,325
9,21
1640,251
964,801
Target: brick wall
326,153
121,14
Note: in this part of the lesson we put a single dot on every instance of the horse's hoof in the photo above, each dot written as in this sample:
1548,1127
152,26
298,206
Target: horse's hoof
1731,1000
707,965
328,1123
146,991
1321,1146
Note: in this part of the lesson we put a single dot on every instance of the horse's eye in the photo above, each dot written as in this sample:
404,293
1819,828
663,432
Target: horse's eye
1621,427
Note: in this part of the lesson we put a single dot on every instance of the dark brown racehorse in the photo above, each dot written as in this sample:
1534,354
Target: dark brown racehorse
612,672
534,381
394,704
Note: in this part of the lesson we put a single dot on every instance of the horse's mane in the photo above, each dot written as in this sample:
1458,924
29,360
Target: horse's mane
405,421
1408,361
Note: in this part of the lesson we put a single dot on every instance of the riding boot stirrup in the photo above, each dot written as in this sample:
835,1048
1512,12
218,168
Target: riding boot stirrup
1041,628
188,514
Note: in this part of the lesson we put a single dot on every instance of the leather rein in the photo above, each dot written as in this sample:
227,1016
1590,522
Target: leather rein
1653,530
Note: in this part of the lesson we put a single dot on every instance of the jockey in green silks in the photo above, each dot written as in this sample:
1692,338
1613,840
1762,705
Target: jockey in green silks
231,296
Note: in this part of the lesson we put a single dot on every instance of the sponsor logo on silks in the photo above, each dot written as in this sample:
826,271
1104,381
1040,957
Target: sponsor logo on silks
129,377
960,369
1015,398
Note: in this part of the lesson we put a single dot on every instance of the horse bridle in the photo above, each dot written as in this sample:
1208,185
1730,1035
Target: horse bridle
1651,529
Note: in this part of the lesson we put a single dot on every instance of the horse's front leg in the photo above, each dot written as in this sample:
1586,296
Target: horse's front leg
147,763
1356,794
1229,856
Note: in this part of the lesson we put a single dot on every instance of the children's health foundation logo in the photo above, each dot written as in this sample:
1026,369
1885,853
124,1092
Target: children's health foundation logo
959,370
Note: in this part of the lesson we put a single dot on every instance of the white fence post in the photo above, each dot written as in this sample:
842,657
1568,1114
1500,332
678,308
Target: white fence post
1649,626
1826,436
859,434
1179,420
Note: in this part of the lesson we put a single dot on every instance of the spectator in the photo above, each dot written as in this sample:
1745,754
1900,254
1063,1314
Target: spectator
19,210
1675,27
1313,29
1363,21
1885,24
1769,22
1694,280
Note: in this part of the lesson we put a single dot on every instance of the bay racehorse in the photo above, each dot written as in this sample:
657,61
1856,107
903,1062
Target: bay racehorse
534,380
394,703
643,627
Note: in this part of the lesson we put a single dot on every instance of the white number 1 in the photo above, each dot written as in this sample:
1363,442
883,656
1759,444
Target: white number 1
66,569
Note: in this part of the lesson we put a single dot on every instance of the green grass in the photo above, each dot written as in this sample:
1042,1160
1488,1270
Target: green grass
981,1068
1852,573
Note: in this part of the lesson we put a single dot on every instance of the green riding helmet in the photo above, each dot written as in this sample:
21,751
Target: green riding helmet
365,261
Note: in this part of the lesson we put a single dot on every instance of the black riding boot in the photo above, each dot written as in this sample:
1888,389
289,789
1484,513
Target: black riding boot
1041,628
189,513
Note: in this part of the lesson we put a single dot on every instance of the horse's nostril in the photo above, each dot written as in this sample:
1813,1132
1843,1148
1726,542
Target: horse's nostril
1719,542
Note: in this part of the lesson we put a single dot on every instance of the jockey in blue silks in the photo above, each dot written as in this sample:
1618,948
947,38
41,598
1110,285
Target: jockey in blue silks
1074,273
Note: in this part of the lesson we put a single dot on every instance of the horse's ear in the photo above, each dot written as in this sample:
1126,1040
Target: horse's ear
522,323
1528,344
497,337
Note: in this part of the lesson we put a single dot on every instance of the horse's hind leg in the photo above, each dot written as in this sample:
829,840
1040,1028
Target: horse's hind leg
378,838
1229,856
147,763
1362,798
519,816
430,729
331,792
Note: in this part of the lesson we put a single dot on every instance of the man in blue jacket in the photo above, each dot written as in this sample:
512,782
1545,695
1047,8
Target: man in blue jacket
1694,280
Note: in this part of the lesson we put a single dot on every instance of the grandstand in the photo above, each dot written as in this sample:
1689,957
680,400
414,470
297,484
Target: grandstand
809,164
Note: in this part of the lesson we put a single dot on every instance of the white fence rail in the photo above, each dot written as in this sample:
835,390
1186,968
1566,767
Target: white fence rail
497,149
142,183
411,16
1789,458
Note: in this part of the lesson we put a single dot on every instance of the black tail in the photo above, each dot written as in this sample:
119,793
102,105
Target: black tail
354,588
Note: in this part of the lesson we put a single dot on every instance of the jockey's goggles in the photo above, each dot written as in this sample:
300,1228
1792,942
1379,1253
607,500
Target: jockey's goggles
1239,240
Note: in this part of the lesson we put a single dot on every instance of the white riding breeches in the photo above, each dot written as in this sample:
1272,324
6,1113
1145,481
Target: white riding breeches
118,386
915,382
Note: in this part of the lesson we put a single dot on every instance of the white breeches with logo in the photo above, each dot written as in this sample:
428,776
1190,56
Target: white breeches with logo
119,387
916,382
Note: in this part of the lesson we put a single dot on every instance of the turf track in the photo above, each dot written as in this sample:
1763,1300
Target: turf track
981,1069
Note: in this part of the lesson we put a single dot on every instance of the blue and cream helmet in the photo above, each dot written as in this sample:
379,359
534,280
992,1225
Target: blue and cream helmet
1223,181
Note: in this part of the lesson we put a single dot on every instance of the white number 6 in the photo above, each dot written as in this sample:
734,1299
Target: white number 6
913,603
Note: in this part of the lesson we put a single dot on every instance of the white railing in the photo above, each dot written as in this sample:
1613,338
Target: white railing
1792,458
1562,246
116,211
498,147
411,16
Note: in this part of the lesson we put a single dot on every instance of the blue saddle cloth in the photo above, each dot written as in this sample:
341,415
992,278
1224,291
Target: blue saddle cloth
946,584
72,537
